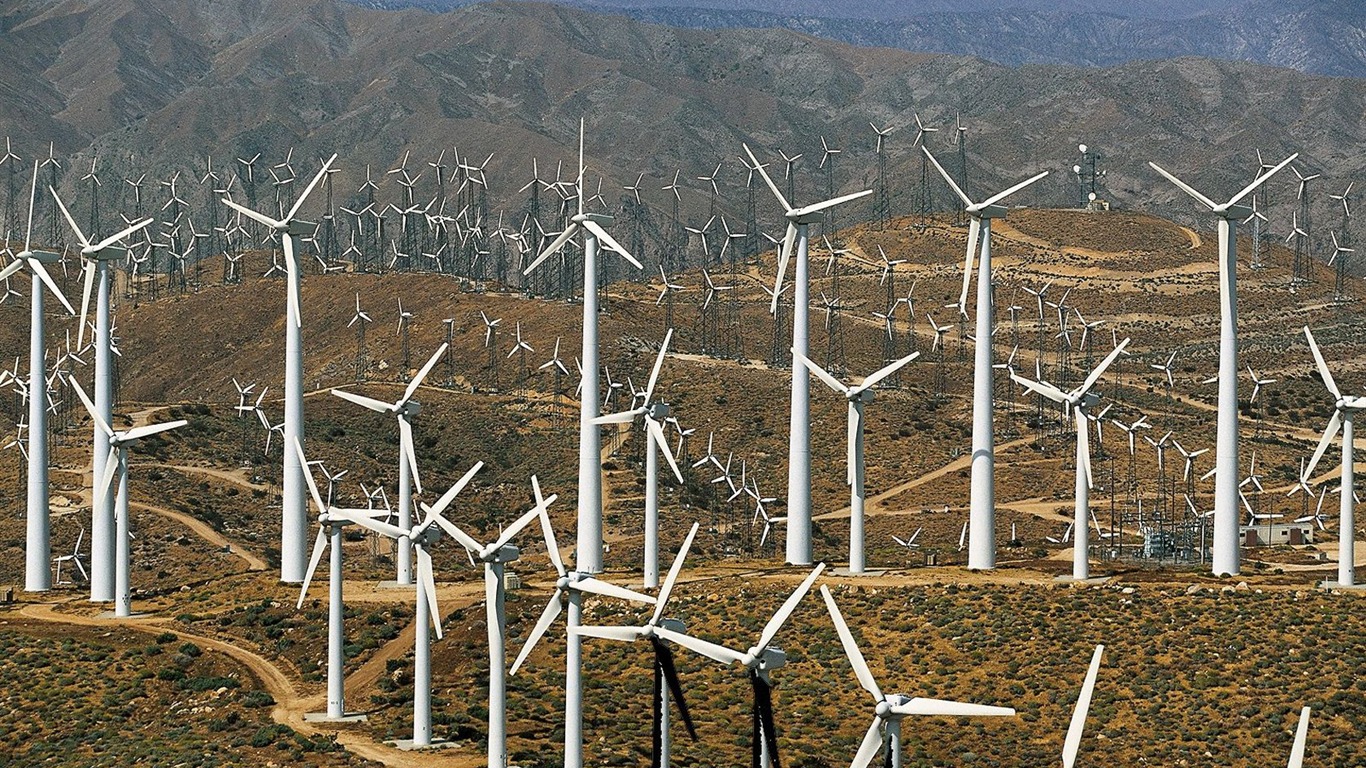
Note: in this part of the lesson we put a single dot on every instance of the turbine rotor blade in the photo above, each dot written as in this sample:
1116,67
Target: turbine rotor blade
606,589
319,544
1073,741
701,647
999,196
872,743
365,402
851,649
548,616
668,587
1188,189
788,606
422,374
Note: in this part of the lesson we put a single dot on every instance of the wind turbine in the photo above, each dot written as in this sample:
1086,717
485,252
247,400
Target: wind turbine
890,709
799,440
666,672
572,585
38,537
495,556
654,414
590,438
330,522
294,510
424,535
759,661
117,466
1344,413
98,257
1079,400
1225,542
404,408
982,496
858,397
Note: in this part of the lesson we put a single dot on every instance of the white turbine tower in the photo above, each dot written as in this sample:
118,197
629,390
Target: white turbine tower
405,408
799,424
330,522
666,674
982,494
423,536
654,414
294,509
1225,544
889,709
590,438
38,541
98,257
495,556
1079,400
571,585
117,466
1344,413
858,397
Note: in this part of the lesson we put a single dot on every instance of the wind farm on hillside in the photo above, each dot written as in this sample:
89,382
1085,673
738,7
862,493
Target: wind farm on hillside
1047,476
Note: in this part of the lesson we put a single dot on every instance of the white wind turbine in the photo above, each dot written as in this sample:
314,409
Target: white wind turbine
74,558
982,498
590,438
294,510
858,397
571,585
665,670
495,556
404,408
799,440
423,536
653,413
117,466
38,536
1344,413
884,735
1225,543
759,661
98,257
330,522
1079,400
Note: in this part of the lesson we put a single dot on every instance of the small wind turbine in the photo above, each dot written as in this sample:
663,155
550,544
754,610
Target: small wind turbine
1225,543
1080,400
117,466
1344,413
884,735
424,535
653,413
404,408
858,397
799,440
982,498
330,522
294,510
495,556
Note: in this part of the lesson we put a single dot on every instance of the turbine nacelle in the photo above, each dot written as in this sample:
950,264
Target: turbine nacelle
42,257
766,659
